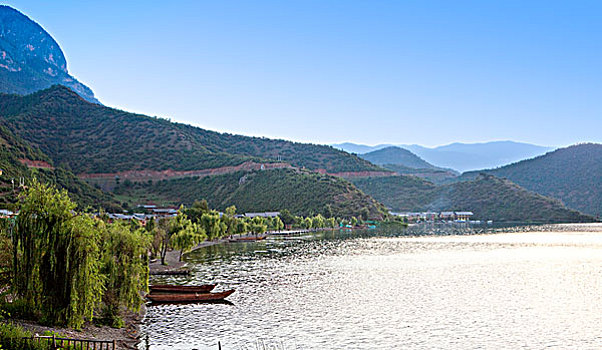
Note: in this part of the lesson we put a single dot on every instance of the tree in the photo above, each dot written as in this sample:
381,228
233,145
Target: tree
187,238
56,257
277,224
354,221
241,227
331,222
196,211
212,225
258,225
181,229
306,223
364,214
318,221
124,268
287,218
229,220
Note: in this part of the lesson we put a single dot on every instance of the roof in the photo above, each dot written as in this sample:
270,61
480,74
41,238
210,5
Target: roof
266,214
165,210
464,213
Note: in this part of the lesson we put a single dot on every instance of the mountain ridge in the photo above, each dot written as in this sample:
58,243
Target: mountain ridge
30,58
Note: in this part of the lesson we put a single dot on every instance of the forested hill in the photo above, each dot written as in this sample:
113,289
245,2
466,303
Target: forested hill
30,59
487,196
90,138
301,192
16,155
572,174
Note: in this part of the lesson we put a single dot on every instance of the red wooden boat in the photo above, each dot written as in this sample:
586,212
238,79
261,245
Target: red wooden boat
168,288
189,297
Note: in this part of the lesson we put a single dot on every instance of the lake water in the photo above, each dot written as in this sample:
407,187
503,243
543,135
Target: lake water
463,288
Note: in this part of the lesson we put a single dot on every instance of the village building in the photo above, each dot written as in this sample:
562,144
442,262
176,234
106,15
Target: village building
463,215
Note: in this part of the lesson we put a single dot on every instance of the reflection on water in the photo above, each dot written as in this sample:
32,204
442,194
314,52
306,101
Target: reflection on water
527,287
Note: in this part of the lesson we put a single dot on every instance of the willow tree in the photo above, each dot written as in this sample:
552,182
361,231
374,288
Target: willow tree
186,235
56,257
125,268
213,225
179,232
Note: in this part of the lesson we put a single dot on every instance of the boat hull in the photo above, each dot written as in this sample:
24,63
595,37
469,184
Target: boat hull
189,297
166,288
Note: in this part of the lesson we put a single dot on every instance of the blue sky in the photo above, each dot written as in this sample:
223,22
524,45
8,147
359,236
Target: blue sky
425,72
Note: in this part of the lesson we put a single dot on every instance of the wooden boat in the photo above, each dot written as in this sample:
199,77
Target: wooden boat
189,297
168,288
247,239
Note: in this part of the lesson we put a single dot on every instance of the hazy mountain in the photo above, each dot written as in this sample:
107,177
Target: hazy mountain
488,197
358,149
572,174
30,59
464,156
398,156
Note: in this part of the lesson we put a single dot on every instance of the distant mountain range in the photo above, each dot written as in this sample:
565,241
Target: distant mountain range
30,59
572,174
463,156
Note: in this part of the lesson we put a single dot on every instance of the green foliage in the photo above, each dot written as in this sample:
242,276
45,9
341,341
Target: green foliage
66,265
124,267
258,225
13,337
287,217
212,225
56,257
185,234
179,233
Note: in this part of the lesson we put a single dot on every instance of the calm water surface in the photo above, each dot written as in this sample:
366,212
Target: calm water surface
469,289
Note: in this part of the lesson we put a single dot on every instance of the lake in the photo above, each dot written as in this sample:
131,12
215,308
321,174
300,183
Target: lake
424,287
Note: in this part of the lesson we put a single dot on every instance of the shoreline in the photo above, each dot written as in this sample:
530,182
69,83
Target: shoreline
129,337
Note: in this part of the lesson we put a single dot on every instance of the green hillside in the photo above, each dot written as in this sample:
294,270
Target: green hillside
436,175
486,196
89,138
572,175
13,150
302,192
400,193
